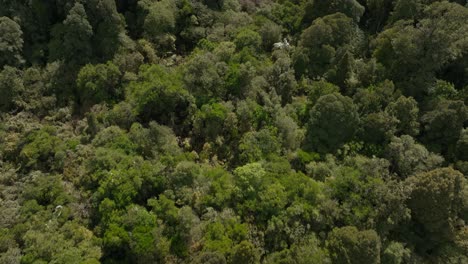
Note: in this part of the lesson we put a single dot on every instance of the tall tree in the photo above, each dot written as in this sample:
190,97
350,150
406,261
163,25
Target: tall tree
348,245
11,42
441,190
333,122
71,40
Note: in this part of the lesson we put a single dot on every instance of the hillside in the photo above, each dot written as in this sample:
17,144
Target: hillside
234,131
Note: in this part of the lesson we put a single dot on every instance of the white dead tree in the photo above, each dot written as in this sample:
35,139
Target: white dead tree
282,44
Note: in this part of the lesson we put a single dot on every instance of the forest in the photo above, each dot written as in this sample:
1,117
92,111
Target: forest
234,131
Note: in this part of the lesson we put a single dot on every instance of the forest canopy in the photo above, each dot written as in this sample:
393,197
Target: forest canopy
234,131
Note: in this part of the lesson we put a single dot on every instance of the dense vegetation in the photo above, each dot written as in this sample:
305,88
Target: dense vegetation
177,131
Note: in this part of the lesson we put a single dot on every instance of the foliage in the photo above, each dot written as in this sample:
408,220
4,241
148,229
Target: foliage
332,111
233,131
349,245
11,42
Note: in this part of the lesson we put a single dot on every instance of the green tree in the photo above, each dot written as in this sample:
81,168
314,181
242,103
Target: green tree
379,11
408,157
317,89
349,245
40,149
160,23
442,191
366,197
462,146
11,87
319,44
158,94
108,26
11,42
333,122
376,97
51,243
247,38
209,121
270,33
413,52
282,78
248,179
306,251
443,125
406,110
289,131
98,83
351,8
396,253
71,40
203,79
245,252
207,257
257,145
378,128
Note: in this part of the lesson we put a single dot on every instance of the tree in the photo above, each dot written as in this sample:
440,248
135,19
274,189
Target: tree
408,157
207,257
413,52
443,125
351,8
406,111
215,4
11,42
270,33
51,243
407,10
108,26
248,179
257,145
376,97
282,78
289,131
11,87
379,12
247,38
349,245
442,191
160,23
378,128
40,149
333,122
245,252
71,41
462,146
366,196
99,83
342,74
396,253
319,44
158,94
203,79
209,121
317,89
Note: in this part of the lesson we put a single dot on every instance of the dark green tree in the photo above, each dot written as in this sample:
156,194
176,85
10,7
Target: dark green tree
333,122
443,125
99,83
11,42
158,94
319,43
11,87
408,157
406,111
349,245
442,191
71,40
